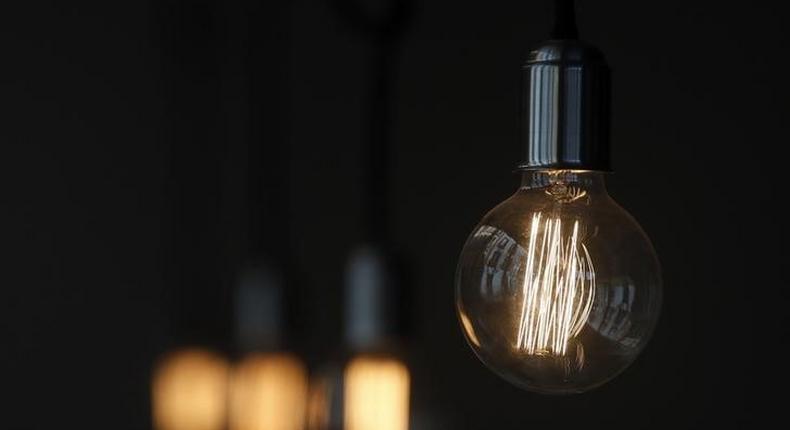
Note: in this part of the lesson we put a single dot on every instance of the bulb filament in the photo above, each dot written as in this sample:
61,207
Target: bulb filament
558,290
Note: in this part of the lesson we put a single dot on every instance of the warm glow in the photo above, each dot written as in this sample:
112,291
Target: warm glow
470,330
376,394
318,404
558,289
268,392
189,391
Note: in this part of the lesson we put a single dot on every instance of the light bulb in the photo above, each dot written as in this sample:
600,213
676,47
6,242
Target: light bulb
319,399
371,391
268,392
376,394
558,288
189,391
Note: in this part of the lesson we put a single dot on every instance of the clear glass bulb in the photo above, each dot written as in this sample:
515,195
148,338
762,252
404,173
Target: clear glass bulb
558,288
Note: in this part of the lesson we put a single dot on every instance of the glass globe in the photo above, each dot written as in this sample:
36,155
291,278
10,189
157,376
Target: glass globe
558,288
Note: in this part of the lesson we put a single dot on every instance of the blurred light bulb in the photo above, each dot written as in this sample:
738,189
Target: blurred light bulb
268,392
376,394
319,399
558,288
189,391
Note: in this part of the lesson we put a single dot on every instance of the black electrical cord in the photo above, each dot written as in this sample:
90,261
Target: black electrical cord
265,58
384,31
564,20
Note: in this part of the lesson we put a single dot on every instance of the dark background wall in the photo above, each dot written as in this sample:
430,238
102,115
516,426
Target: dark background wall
123,129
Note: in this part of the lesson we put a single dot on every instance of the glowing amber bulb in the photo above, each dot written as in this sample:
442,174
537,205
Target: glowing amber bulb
318,403
268,392
558,288
376,394
189,391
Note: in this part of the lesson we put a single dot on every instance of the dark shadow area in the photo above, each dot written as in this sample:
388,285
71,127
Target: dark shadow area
132,194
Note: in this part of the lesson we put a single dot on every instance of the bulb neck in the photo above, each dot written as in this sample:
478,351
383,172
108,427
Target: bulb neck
565,107
259,308
588,180
371,299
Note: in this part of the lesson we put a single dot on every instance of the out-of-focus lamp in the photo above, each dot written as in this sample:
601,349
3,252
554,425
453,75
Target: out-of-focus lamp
269,386
189,391
376,394
376,381
268,392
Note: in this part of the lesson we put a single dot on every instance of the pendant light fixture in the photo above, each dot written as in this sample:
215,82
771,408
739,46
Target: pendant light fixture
372,390
376,379
189,380
269,382
268,387
558,288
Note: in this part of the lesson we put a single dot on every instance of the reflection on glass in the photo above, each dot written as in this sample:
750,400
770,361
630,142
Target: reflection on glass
558,288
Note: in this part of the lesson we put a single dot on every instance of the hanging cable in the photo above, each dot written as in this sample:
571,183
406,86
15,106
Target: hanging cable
269,168
564,20
384,31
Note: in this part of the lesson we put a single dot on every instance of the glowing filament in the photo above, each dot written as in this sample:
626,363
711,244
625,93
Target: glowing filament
558,290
